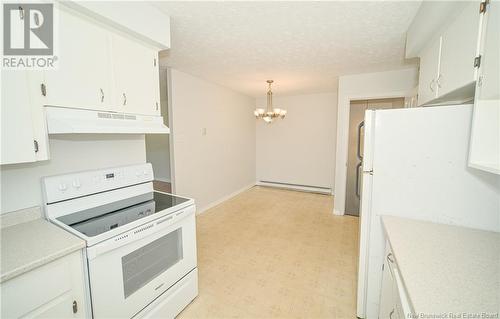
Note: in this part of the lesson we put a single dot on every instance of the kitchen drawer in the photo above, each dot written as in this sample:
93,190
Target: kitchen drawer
50,291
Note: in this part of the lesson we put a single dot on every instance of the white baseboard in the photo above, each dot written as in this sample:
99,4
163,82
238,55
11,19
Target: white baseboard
223,199
337,212
303,188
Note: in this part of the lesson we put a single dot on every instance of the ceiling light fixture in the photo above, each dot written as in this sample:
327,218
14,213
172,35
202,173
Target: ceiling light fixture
270,113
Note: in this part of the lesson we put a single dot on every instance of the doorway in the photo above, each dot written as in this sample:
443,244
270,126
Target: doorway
355,147
158,150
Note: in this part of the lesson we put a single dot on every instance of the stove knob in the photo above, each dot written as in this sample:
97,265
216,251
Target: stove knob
63,187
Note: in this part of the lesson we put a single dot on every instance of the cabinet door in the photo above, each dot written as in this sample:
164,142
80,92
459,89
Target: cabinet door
429,69
17,140
83,76
458,50
386,293
39,123
136,76
60,307
54,290
485,137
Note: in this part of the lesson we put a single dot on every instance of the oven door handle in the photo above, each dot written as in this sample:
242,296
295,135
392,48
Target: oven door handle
141,232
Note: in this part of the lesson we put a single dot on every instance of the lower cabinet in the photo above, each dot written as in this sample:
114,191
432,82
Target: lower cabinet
54,290
394,303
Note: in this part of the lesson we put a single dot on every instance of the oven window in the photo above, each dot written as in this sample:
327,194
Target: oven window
146,263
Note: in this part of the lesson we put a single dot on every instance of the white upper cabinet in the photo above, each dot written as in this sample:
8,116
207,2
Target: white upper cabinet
429,72
458,50
485,137
101,69
83,76
142,19
17,131
136,76
97,68
447,60
466,66
24,136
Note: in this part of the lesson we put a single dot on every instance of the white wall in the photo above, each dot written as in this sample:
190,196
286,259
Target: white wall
21,185
399,83
299,149
214,166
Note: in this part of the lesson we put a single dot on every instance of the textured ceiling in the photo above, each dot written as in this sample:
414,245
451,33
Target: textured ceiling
303,46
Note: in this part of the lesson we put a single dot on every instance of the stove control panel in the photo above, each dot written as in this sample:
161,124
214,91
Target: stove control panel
68,186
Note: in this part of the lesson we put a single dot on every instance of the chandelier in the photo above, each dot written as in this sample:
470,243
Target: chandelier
270,113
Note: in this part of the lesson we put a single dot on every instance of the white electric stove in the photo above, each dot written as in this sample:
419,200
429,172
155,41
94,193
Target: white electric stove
141,244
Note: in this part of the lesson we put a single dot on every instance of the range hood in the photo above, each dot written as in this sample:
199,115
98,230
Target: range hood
62,120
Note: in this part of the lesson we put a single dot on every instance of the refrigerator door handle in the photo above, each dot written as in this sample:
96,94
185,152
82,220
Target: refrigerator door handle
360,126
357,179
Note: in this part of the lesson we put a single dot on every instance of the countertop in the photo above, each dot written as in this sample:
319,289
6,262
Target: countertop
446,268
33,243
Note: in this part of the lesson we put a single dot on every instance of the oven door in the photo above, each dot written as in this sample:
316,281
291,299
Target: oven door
129,271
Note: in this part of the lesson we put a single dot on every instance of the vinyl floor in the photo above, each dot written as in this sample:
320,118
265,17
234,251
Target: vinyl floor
273,253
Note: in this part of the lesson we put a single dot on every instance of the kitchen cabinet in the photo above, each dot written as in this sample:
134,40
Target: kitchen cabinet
82,78
136,76
23,132
387,300
429,72
100,69
54,290
447,62
458,50
484,150
394,303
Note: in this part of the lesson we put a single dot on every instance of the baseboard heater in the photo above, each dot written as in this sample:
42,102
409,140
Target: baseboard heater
299,187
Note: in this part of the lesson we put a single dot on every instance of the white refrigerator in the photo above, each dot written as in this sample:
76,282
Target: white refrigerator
415,166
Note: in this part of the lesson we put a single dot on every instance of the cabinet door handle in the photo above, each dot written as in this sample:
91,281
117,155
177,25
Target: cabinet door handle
438,81
157,106
35,144
21,13
75,306
102,95
391,313
43,88
124,99
431,85
389,258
